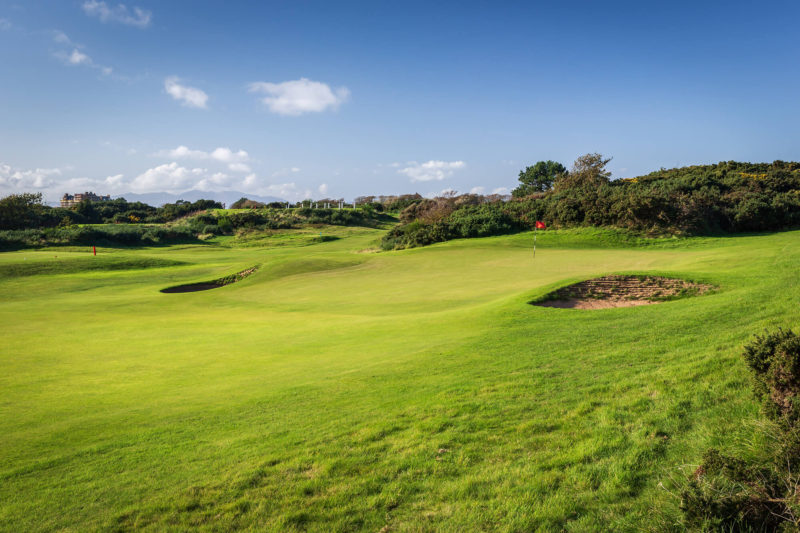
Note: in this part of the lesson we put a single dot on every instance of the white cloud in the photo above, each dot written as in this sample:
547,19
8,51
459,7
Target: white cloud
477,190
13,180
299,96
114,181
183,152
215,182
239,167
236,161
287,191
250,180
285,172
5,24
138,17
61,38
169,177
323,189
431,170
188,96
500,190
226,155
78,58
175,178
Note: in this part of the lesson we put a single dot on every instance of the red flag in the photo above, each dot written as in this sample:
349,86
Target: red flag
540,225
94,250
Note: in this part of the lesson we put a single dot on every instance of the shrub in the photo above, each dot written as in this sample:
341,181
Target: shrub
730,493
480,221
246,203
125,235
774,359
728,196
225,225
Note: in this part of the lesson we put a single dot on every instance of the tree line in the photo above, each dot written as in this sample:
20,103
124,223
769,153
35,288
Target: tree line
703,199
25,221
27,211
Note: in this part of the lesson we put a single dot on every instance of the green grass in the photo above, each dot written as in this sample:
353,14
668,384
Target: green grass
337,389
47,264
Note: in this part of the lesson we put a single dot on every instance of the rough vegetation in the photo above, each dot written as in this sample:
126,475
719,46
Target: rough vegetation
759,492
695,200
97,234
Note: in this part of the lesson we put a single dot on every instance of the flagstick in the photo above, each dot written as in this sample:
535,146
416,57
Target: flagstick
535,231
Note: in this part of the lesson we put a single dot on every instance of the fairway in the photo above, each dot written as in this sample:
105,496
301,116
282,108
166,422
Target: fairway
341,389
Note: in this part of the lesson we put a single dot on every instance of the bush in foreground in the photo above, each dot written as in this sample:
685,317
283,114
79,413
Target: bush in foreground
745,494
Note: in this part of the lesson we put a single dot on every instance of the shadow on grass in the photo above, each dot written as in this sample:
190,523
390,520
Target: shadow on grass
208,285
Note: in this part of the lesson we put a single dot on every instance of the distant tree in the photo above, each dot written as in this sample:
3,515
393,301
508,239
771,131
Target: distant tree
588,171
398,203
88,211
182,208
246,203
21,210
239,204
538,178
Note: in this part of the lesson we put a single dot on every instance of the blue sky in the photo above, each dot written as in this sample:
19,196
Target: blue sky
296,99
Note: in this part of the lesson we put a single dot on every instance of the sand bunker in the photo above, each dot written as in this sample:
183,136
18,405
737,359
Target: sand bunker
621,291
208,285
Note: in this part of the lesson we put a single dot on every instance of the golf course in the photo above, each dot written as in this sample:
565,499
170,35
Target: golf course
338,387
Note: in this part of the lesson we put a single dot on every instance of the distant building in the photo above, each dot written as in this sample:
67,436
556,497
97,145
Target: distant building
71,200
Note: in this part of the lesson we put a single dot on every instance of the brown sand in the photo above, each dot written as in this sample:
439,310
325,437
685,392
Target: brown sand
621,291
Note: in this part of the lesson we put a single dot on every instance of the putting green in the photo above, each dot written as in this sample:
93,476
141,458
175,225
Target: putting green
341,389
